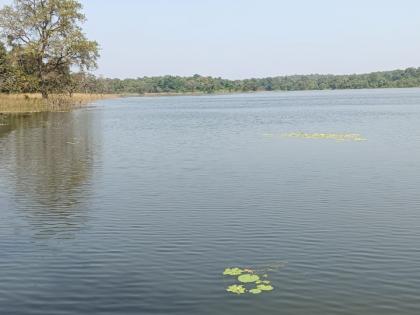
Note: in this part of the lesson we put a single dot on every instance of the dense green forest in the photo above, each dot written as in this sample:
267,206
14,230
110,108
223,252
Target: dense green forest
88,83
19,77
202,84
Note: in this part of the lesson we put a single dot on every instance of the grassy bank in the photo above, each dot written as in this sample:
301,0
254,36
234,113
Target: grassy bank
34,103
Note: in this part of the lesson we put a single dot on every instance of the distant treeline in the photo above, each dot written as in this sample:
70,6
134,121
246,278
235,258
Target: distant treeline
42,44
203,84
18,76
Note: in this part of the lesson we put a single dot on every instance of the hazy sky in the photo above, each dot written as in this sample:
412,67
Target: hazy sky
253,38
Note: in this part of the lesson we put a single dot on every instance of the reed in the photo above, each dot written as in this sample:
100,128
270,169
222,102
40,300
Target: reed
34,103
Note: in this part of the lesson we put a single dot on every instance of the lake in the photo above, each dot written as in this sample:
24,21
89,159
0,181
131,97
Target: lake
138,205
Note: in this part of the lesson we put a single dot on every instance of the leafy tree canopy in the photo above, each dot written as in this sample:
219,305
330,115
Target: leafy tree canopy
46,41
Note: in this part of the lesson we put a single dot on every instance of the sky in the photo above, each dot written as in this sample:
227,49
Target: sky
252,38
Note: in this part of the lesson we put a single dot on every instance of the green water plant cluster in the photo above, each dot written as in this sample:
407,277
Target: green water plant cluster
248,281
338,137
328,136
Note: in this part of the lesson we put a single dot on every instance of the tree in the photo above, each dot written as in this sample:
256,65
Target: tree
49,33
4,68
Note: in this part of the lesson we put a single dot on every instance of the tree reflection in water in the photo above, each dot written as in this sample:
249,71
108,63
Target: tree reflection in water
48,161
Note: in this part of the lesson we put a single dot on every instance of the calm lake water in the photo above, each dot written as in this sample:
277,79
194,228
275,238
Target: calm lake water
137,205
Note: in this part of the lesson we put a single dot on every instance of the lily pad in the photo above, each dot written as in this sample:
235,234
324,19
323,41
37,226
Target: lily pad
248,281
247,278
265,287
255,291
232,272
236,289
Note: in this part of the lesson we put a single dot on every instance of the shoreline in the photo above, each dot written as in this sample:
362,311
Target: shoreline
26,103
163,94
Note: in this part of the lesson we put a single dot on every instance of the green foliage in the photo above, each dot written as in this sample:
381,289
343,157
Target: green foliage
249,282
232,272
247,278
41,42
255,291
265,287
4,69
236,289
45,41
201,84
328,136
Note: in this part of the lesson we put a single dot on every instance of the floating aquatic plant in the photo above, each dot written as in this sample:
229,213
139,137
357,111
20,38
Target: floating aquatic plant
236,289
232,272
328,136
255,291
247,278
251,281
339,137
265,287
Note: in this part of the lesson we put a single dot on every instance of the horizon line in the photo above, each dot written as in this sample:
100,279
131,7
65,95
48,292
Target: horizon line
256,77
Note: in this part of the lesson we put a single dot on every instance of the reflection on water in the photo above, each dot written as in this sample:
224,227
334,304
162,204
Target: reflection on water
50,159
138,206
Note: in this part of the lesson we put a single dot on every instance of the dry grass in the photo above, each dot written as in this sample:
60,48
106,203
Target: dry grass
33,103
